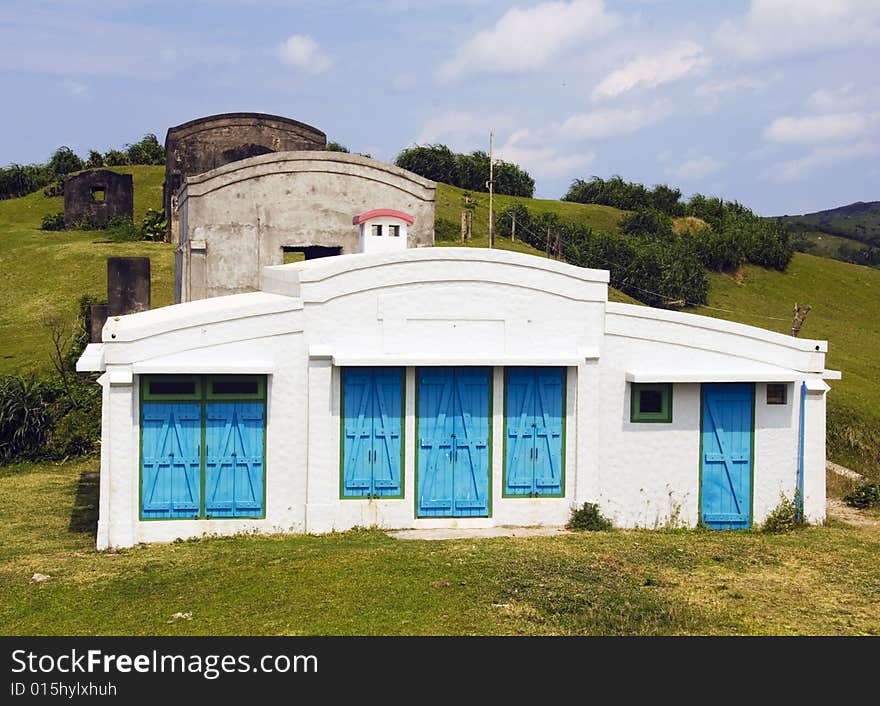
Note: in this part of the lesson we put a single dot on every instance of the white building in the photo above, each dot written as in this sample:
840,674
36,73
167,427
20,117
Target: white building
447,387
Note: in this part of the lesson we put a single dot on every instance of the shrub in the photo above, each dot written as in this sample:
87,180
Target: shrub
785,516
19,180
446,230
64,161
53,221
25,416
56,188
122,229
115,158
95,160
147,151
337,147
864,496
154,225
466,171
647,222
588,518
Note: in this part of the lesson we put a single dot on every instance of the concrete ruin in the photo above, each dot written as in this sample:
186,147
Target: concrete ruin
207,143
244,216
128,292
96,197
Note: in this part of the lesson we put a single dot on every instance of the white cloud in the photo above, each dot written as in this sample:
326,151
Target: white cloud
63,41
607,123
456,128
302,52
694,169
787,27
749,84
824,156
74,88
819,128
528,38
541,159
652,70
846,97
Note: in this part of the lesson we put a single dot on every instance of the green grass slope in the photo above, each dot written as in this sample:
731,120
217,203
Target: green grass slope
845,299
45,273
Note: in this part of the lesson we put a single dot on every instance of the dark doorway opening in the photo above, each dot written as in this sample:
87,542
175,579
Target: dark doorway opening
308,252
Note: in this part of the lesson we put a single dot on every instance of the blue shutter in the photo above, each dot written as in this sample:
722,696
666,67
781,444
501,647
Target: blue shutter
357,428
435,412
386,440
520,430
170,460
471,442
548,430
725,497
234,459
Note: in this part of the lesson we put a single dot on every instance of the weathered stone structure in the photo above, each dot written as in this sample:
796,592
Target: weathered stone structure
97,196
241,217
207,143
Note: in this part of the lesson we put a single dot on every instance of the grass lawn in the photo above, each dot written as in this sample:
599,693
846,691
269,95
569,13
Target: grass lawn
816,581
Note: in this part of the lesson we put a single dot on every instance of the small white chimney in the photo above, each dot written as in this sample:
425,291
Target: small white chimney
383,230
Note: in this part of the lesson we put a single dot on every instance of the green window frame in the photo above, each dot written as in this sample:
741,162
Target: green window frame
203,394
662,415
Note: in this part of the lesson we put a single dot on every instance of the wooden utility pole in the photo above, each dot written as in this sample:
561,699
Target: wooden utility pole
548,241
800,315
491,185
513,227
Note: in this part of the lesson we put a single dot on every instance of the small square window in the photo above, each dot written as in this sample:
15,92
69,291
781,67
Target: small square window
394,231
777,393
376,229
651,402
99,193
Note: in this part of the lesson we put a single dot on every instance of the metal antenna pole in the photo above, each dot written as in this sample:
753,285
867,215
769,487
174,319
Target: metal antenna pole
491,185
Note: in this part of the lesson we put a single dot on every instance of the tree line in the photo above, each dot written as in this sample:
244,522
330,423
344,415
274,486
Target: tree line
466,171
22,179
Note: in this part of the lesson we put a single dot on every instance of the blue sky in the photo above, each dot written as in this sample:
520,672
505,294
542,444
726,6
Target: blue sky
775,103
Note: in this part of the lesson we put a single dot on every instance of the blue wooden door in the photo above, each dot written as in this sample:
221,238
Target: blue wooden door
453,467
726,464
436,429
234,459
372,443
520,425
170,460
549,400
357,428
471,442
534,415
386,436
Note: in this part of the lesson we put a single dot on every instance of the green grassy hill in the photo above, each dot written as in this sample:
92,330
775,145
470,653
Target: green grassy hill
856,221
45,273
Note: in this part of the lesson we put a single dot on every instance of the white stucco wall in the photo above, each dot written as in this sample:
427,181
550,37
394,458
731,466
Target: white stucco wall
383,243
450,306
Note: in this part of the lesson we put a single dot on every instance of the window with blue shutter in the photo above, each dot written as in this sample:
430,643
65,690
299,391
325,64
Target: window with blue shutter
203,446
372,438
534,426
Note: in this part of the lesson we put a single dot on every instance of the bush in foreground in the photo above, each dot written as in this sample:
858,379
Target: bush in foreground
588,518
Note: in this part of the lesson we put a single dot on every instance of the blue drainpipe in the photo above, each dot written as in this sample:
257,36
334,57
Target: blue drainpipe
800,466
